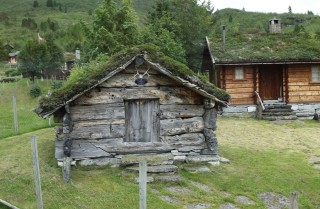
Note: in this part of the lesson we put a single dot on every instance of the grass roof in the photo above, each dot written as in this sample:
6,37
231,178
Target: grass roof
252,48
84,78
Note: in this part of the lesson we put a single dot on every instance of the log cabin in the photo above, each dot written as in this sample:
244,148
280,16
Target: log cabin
274,71
139,102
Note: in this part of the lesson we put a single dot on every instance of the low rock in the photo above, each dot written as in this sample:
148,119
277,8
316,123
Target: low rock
314,160
228,205
316,166
198,206
201,186
170,199
273,200
179,189
244,200
214,163
224,160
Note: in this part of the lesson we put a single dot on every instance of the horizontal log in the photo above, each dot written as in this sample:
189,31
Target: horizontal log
128,80
96,112
240,90
95,131
181,111
239,85
171,127
167,95
82,149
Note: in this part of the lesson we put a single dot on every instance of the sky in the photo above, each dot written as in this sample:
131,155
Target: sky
277,6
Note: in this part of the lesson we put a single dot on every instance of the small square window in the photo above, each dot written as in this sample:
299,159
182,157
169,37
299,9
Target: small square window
315,73
239,73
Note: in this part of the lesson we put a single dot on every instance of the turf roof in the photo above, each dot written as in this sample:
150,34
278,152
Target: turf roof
97,71
269,48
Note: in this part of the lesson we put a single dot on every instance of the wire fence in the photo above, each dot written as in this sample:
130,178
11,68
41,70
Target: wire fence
16,109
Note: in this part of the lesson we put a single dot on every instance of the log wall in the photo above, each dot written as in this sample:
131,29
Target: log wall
241,91
300,87
98,118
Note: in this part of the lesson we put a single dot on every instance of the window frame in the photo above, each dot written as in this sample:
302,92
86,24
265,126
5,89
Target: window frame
315,67
243,73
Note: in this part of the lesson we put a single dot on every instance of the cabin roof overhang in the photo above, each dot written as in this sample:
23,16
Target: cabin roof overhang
191,82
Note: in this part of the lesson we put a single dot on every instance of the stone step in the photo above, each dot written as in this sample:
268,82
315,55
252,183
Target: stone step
157,169
278,113
278,106
277,110
272,118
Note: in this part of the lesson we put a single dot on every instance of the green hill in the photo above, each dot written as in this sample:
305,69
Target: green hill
63,16
238,21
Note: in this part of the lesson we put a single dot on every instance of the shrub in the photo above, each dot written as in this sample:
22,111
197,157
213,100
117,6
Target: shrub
56,85
35,91
12,72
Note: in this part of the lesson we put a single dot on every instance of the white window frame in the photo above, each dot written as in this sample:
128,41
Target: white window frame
315,74
239,73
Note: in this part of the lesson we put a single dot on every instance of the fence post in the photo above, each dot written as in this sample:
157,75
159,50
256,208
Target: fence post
143,184
49,121
36,171
294,201
15,115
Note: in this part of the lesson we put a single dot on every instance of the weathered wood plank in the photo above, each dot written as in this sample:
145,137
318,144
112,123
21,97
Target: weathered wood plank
167,95
82,149
171,127
181,111
100,131
96,112
128,80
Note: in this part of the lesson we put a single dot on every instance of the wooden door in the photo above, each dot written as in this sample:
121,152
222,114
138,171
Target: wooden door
270,81
142,121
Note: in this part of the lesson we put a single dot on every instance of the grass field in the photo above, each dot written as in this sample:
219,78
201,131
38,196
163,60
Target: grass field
27,119
265,157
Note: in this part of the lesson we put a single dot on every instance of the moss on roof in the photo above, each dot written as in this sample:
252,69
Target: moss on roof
89,75
251,48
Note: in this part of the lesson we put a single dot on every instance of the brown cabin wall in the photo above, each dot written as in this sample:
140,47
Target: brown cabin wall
300,89
100,114
241,91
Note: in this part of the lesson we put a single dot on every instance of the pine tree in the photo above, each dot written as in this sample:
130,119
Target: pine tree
50,3
35,4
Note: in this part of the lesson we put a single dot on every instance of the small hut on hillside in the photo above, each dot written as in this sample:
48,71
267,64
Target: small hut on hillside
139,102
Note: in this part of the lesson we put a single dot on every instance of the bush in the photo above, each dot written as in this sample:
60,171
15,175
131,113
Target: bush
12,72
35,91
56,85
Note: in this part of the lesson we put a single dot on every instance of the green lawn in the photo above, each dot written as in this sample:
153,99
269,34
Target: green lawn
27,119
265,157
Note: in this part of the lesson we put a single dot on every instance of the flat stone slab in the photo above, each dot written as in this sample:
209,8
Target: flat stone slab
273,200
203,158
179,189
316,166
201,186
199,169
224,160
198,206
158,169
170,199
314,160
228,205
169,178
244,200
